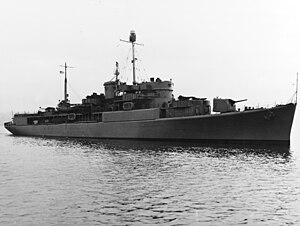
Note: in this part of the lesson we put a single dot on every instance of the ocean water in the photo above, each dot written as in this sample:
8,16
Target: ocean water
117,182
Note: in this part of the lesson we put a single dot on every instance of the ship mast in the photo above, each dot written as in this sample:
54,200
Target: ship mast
65,90
117,73
297,88
132,39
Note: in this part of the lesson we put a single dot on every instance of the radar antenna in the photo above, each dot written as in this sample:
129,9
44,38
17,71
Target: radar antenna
132,39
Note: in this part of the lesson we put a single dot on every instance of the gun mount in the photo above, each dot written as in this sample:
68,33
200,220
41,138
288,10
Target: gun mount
225,105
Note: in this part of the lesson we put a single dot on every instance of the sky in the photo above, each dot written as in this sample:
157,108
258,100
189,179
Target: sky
239,49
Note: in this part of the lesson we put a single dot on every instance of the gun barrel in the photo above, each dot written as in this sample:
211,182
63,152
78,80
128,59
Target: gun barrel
237,101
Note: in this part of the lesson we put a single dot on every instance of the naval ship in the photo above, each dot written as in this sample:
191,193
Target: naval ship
148,110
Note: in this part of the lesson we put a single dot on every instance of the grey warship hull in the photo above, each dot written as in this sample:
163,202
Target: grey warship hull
149,110
258,125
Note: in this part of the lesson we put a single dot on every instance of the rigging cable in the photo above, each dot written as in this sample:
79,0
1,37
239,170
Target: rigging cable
143,70
124,68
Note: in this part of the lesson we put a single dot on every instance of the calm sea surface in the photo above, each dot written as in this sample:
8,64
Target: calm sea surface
117,182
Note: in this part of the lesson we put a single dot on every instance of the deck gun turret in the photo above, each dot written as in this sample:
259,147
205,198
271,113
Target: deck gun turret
225,105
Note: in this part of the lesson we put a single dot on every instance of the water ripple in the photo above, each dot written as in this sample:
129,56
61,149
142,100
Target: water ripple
117,182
